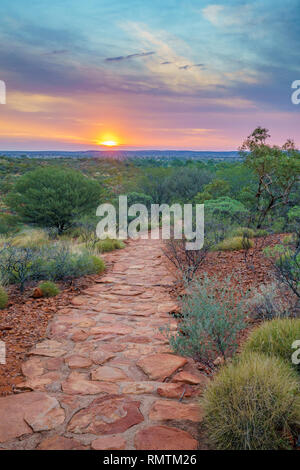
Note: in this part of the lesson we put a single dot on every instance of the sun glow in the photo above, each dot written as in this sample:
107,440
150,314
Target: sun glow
108,140
109,143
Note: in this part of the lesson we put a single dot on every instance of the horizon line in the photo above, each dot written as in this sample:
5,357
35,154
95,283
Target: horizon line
119,150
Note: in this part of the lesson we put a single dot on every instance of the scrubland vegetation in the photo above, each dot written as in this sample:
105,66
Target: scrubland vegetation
47,230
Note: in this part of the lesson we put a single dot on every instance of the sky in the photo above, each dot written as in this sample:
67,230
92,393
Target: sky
152,74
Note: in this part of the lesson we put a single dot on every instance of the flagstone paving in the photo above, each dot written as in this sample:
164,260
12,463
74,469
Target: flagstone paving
105,377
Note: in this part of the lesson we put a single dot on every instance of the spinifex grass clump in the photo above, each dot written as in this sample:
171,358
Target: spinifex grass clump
243,232
31,238
211,321
104,246
274,338
3,298
49,289
235,243
253,405
98,264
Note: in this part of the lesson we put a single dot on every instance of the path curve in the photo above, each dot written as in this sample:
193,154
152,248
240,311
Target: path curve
105,377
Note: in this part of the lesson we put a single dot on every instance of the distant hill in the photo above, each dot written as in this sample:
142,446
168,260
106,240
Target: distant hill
126,154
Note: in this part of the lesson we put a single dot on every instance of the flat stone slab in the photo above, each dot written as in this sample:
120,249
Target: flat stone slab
188,378
176,390
99,356
28,412
109,374
49,348
78,362
77,384
161,366
60,443
111,329
33,367
108,415
164,438
114,442
138,388
164,410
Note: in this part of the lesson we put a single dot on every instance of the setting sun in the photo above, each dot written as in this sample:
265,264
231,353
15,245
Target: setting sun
109,143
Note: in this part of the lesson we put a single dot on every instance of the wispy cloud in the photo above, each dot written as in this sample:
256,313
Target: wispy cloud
130,56
57,52
188,67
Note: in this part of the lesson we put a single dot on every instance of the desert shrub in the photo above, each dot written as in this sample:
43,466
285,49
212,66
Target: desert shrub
211,319
274,338
19,265
260,232
289,240
253,404
286,262
226,209
186,261
139,198
61,263
278,225
104,246
54,197
243,232
9,224
49,289
3,298
268,302
56,262
234,243
98,264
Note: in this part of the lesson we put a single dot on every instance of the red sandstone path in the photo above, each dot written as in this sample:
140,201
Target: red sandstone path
106,378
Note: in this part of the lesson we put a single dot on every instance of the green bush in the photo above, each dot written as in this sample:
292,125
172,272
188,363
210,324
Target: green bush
104,246
54,197
49,289
260,233
99,265
243,231
226,209
61,263
289,240
19,265
3,298
253,405
274,338
9,224
234,243
56,262
211,319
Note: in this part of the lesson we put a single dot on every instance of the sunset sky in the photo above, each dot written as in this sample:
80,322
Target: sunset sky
152,74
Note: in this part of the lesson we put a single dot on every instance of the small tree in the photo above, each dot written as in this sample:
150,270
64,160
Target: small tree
227,210
277,170
54,197
217,188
